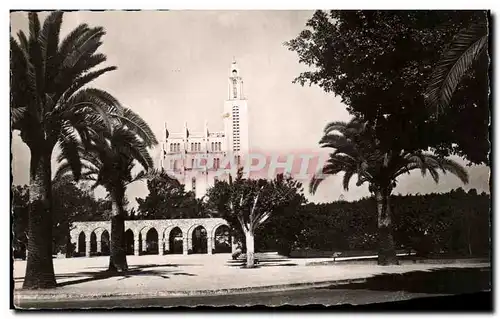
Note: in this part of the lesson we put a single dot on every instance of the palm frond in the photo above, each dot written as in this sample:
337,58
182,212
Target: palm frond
347,178
23,40
335,126
36,70
16,115
69,144
432,163
69,42
86,45
135,123
97,100
148,175
49,37
84,80
328,170
434,174
416,160
454,64
455,168
34,24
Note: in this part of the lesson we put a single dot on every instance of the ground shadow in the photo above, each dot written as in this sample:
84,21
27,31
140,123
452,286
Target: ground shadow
87,276
132,272
152,266
445,281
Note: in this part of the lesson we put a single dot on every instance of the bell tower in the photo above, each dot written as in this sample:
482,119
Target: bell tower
236,114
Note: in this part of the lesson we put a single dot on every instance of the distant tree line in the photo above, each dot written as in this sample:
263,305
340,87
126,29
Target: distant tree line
453,223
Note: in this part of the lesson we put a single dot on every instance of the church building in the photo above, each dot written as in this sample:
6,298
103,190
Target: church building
197,158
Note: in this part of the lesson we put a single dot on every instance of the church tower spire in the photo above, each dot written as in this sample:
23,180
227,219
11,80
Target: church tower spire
235,82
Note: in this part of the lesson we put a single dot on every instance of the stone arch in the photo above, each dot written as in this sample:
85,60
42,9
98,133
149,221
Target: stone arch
222,241
98,230
163,237
93,242
175,239
141,235
82,242
105,243
198,239
129,241
151,240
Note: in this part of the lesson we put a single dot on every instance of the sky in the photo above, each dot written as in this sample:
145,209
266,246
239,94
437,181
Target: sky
173,67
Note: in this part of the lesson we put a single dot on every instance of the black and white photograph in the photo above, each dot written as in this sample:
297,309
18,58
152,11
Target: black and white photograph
251,159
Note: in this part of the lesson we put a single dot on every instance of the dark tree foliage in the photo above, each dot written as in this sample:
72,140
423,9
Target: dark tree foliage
71,204
284,229
454,223
379,63
167,199
20,213
340,226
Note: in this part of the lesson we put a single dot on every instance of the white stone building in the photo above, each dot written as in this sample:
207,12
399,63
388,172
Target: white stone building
197,159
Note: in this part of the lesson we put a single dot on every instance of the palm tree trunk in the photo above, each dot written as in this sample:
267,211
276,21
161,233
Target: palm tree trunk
387,251
40,267
118,251
250,240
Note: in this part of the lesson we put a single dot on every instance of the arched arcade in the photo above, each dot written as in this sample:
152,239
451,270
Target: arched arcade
163,236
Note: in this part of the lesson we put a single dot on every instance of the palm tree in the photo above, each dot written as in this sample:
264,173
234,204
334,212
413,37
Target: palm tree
51,105
109,161
356,153
467,47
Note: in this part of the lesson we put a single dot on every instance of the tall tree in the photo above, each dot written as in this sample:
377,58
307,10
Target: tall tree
51,105
109,162
247,204
356,152
167,198
380,64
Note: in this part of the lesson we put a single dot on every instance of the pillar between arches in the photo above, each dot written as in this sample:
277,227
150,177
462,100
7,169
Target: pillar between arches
136,246
160,247
185,242
209,245
77,246
87,248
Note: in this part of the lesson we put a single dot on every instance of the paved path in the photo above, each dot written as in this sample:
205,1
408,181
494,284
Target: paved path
85,278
